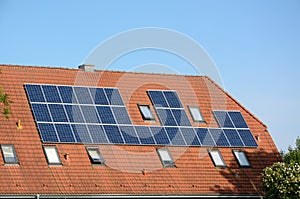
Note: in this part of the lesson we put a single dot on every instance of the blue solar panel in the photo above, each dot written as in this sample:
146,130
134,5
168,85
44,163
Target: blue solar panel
99,96
181,117
144,134
41,113
223,119
219,137
247,138
58,113
129,135
172,99
51,94
175,136
114,96
233,137
237,119
160,135
204,137
47,132
83,95
64,132
106,114
121,115
81,133
97,133
34,93
166,117
67,94
190,137
158,99
74,113
113,134
90,114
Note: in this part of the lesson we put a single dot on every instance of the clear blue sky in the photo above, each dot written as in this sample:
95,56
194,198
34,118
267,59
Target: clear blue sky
255,44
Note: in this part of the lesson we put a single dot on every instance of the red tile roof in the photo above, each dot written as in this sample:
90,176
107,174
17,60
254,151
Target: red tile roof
123,174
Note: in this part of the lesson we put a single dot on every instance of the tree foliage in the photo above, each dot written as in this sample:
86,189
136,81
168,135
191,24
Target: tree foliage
282,179
4,103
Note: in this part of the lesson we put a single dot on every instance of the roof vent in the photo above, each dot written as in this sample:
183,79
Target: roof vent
87,67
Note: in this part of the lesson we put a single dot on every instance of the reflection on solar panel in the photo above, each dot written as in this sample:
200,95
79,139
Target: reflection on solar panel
73,114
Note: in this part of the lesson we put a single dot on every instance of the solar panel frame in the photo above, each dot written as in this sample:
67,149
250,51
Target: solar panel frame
190,137
48,132
58,113
65,133
172,99
113,134
223,119
34,93
247,137
83,95
98,95
129,135
67,94
145,135
113,96
219,137
121,115
41,113
158,98
51,94
205,137
233,137
160,135
237,119
175,136
81,133
97,134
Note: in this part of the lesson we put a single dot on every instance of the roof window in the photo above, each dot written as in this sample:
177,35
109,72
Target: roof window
9,154
165,157
217,158
146,112
241,158
52,155
95,155
196,114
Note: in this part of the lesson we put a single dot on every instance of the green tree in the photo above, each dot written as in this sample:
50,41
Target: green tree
293,155
4,103
282,180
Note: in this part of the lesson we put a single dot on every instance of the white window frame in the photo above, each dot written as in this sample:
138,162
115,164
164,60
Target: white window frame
217,158
52,155
165,157
241,158
9,157
196,115
95,155
146,112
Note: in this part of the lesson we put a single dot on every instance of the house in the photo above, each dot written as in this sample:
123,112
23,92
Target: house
83,133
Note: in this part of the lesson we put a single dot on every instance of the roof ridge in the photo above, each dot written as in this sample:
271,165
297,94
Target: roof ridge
237,102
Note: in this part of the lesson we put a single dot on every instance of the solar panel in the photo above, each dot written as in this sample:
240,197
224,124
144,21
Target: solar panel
204,137
247,138
83,95
41,113
129,135
81,133
160,135
175,136
172,99
114,96
64,132
233,137
158,99
99,96
72,114
106,114
97,133
34,93
47,132
219,137
237,119
190,137
51,93
145,135
121,115
223,119
58,113
113,134
67,94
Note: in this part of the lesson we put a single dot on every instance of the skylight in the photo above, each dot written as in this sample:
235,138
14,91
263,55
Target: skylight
165,157
95,155
217,158
146,112
196,114
9,154
241,158
52,155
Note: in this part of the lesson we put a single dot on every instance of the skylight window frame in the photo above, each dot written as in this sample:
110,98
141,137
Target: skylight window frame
47,154
96,149
166,163
5,156
240,161
194,117
212,154
145,118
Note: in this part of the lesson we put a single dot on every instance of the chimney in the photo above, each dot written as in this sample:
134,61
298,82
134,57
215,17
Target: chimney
87,67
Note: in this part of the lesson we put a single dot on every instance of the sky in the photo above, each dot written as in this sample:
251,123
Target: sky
254,44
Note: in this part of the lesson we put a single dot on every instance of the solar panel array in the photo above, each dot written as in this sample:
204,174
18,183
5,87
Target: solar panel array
74,114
